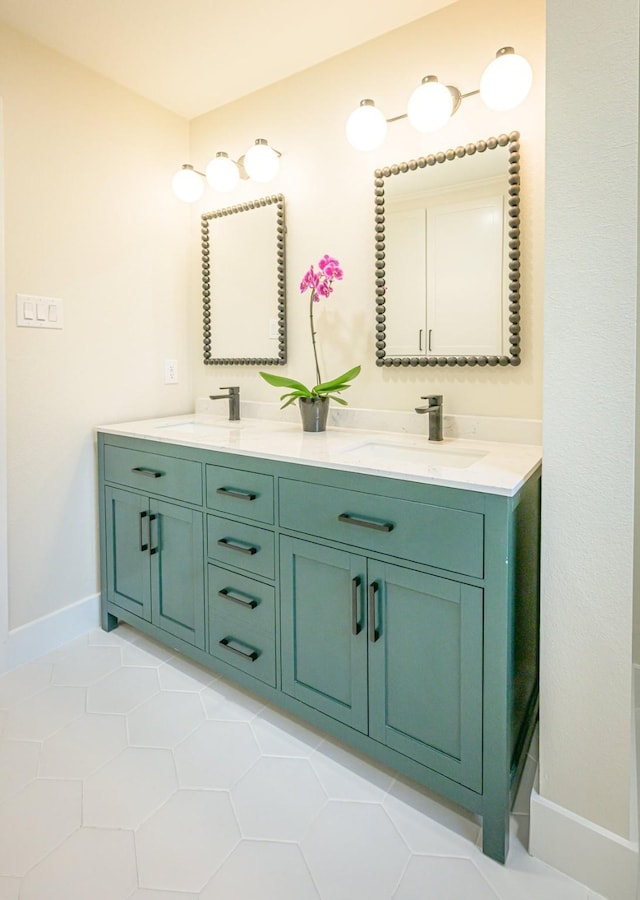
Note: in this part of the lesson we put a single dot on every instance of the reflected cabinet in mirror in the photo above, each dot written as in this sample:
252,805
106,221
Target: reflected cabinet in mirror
243,284
448,257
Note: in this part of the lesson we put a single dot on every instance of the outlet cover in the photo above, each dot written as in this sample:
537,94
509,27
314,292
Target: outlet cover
171,371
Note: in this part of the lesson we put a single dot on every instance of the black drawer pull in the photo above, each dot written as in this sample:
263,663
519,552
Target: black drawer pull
251,657
355,590
148,473
373,590
143,545
249,604
237,495
152,550
365,523
223,542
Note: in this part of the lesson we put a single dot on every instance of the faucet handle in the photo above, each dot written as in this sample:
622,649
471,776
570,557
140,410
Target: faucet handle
235,389
433,399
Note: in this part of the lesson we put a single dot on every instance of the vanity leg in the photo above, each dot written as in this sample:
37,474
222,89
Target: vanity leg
495,833
109,621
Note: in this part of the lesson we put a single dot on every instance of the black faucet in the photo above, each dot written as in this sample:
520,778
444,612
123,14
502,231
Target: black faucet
434,411
234,401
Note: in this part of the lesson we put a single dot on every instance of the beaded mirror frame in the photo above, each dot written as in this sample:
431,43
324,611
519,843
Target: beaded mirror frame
512,141
279,241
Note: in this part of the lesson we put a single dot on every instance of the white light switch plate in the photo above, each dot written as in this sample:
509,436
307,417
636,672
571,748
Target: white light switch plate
38,312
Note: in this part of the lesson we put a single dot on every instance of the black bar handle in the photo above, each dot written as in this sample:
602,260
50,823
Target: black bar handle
237,495
252,656
249,604
355,591
365,523
373,590
143,546
223,542
148,473
152,550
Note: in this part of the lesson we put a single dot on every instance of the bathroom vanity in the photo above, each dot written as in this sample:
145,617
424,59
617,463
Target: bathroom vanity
381,588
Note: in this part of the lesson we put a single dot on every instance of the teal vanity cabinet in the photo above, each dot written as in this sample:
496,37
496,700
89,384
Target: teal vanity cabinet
154,548
399,616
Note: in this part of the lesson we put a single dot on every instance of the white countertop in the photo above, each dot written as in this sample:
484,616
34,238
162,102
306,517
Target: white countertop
487,466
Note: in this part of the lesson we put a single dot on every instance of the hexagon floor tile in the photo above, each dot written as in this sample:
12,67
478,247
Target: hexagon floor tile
353,850
270,871
146,777
123,690
130,788
216,755
18,766
186,841
278,799
82,746
165,720
93,863
40,716
24,682
446,879
36,821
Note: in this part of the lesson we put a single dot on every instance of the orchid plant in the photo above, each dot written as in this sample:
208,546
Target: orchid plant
320,283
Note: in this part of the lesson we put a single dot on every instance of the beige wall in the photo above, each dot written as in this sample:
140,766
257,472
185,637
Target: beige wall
89,218
328,188
591,271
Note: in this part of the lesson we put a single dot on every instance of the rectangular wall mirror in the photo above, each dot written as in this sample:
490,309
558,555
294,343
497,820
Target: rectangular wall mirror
243,284
448,257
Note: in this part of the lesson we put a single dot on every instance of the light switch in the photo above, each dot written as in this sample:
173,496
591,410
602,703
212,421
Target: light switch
38,312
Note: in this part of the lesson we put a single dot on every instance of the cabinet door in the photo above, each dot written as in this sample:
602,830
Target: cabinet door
127,543
425,670
177,571
324,636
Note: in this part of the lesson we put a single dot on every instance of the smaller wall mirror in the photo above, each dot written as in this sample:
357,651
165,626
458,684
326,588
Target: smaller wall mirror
448,257
243,284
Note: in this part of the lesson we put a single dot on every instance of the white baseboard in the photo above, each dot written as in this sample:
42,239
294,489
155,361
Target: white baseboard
598,858
37,638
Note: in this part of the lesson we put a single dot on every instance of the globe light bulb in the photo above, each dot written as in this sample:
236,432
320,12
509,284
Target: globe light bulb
430,105
366,126
187,184
261,161
222,173
506,81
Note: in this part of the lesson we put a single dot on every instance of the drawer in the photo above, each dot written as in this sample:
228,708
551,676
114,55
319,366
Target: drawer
243,648
242,600
235,492
246,547
153,473
439,536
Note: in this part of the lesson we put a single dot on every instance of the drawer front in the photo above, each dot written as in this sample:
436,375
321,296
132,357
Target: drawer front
238,599
450,539
180,479
243,648
246,547
235,492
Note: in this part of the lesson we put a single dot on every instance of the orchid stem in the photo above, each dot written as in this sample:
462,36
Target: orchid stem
313,337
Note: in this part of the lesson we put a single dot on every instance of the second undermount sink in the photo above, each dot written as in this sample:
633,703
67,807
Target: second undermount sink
389,453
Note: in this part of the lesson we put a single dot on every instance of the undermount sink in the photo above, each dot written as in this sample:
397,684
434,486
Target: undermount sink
387,453
194,427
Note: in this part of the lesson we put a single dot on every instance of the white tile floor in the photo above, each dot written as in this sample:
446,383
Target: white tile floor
127,773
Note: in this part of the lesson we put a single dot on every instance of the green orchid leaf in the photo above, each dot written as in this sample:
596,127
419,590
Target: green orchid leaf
337,383
282,381
337,399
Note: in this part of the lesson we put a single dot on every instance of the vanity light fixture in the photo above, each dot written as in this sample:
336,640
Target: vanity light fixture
504,84
260,164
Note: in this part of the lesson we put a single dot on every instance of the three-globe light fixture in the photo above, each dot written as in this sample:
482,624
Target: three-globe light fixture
504,84
260,163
